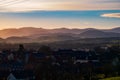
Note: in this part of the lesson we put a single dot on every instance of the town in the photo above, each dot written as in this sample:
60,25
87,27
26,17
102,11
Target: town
61,64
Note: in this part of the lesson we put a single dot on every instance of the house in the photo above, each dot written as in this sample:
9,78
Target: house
22,75
11,77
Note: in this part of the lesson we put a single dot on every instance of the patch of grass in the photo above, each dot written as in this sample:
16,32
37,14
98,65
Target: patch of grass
112,78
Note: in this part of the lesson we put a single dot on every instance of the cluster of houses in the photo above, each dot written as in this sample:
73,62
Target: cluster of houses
20,64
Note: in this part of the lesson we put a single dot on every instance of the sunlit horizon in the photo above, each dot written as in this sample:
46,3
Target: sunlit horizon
52,14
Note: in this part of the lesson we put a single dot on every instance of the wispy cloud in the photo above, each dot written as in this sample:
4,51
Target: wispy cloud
33,5
111,15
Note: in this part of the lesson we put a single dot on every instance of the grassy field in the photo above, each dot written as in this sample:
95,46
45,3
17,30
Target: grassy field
112,78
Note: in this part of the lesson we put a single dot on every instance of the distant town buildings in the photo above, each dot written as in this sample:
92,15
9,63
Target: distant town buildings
21,64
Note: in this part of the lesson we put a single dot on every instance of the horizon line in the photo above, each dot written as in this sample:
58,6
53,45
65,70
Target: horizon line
60,28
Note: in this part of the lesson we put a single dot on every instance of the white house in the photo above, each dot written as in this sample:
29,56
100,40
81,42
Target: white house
12,77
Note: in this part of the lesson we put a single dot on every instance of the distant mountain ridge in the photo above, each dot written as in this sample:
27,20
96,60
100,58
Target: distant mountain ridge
98,34
31,32
115,30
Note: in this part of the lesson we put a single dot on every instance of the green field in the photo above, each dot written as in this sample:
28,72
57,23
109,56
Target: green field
112,78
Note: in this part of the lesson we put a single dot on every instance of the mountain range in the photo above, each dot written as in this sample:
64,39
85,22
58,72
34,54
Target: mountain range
32,34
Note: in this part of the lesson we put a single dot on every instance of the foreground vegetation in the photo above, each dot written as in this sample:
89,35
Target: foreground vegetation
93,62
112,78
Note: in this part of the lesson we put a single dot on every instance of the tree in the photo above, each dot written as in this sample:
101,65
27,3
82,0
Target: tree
45,49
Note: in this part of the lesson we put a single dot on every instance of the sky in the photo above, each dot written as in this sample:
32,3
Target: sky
102,14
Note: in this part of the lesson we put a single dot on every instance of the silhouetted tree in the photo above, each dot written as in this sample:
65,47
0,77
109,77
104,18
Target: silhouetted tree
45,49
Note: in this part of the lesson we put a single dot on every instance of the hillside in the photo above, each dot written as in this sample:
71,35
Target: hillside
28,31
113,78
98,34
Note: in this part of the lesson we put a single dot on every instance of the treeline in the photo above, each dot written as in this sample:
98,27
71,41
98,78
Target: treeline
55,69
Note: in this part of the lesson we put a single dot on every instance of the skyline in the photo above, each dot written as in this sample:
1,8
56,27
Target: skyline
51,14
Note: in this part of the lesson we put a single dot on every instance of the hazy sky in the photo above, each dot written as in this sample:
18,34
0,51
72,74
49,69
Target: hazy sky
59,13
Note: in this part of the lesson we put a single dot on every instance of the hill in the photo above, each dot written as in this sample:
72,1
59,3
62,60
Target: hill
40,32
98,34
116,30
113,78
